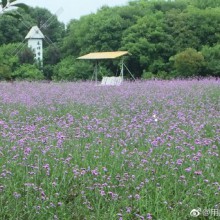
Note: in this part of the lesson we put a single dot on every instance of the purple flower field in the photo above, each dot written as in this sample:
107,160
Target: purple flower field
143,150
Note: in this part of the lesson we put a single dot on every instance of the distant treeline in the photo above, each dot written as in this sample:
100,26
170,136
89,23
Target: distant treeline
166,39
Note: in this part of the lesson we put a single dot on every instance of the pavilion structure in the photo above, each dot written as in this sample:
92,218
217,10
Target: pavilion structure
97,56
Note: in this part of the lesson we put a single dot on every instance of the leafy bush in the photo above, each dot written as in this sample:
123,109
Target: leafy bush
163,75
26,56
5,72
48,71
188,63
72,69
147,75
9,62
28,72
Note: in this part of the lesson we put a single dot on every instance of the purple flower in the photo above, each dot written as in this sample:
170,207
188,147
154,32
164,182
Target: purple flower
137,197
27,150
46,166
199,172
102,193
95,172
128,209
149,216
17,195
188,169
104,169
179,162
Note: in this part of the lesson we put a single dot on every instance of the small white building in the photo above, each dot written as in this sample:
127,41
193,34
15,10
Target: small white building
35,42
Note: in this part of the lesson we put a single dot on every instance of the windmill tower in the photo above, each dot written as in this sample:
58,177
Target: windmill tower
35,42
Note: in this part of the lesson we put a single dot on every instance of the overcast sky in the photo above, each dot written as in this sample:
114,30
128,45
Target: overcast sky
73,8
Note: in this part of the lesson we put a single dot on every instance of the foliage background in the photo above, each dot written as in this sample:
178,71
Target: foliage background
156,33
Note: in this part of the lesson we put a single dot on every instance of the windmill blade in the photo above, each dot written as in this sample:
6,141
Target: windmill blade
20,17
50,42
50,19
21,45
47,23
18,48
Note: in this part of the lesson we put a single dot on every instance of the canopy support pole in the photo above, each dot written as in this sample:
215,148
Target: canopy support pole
122,68
129,71
96,72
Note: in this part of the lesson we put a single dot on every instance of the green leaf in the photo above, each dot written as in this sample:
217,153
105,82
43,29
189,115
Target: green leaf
12,14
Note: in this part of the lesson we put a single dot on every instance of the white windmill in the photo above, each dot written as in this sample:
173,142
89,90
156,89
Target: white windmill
35,42
35,38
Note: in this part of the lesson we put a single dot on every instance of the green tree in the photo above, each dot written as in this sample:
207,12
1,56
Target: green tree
205,3
12,30
166,6
72,70
27,72
9,62
193,27
52,56
180,25
99,32
102,31
188,63
149,43
212,60
26,56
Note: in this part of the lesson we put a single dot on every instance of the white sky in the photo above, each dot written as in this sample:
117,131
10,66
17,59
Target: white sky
73,8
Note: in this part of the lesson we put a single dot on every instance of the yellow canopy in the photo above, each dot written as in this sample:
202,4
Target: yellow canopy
103,55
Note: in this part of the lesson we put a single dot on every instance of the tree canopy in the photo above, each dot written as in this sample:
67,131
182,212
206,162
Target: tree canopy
158,34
